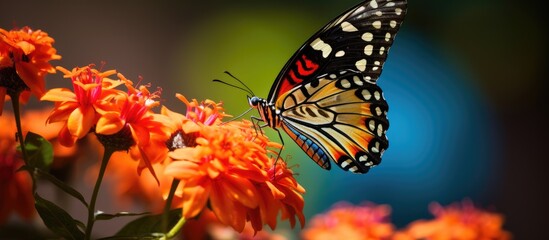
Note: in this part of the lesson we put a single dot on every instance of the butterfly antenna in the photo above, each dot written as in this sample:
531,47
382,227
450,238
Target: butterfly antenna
239,116
243,84
232,85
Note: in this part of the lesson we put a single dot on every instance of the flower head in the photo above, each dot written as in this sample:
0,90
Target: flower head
345,221
130,125
24,61
458,221
226,167
81,108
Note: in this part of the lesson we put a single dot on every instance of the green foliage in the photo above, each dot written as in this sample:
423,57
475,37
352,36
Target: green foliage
57,219
147,226
39,151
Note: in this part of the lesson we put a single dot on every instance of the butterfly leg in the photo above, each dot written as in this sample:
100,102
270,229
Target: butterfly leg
255,122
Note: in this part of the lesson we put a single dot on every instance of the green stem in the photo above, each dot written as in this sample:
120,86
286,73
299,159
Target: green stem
19,134
17,113
168,206
175,230
91,208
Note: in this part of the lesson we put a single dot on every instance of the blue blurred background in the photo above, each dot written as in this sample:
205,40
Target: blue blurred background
466,82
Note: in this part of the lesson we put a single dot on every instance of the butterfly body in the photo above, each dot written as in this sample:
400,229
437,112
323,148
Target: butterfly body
326,97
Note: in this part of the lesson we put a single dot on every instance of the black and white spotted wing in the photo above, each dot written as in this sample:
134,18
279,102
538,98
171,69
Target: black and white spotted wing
326,97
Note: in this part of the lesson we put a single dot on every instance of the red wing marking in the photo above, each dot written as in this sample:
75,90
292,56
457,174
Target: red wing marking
304,67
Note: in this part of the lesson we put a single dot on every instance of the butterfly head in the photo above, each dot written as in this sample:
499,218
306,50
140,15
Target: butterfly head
254,101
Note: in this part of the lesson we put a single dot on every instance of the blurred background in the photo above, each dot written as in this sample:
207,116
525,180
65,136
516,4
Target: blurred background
466,82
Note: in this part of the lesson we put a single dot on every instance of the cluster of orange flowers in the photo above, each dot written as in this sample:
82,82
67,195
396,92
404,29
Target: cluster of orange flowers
369,221
457,221
224,166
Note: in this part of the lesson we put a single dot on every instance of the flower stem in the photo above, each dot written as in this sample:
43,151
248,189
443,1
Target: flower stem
91,208
17,113
19,134
175,230
168,206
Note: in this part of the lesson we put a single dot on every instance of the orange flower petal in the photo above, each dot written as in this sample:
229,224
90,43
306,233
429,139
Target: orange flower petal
110,123
65,137
140,134
62,112
228,212
80,121
59,95
182,169
32,78
195,198
241,190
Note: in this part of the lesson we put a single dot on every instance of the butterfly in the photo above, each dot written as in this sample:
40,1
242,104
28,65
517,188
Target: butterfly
326,97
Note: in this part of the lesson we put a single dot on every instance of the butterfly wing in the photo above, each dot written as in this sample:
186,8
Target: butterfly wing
344,120
327,94
358,40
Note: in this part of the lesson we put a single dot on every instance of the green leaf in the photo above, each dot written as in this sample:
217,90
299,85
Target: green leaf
62,185
39,151
107,216
57,219
147,226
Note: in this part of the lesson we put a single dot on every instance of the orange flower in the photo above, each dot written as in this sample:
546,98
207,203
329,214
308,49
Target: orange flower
81,109
457,221
226,167
130,125
128,186
24,61
345,221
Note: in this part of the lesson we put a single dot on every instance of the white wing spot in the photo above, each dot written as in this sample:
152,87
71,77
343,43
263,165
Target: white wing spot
378,111
379,13
366,94
333,76
376,24
370,163
387,36
373,3
353,169
367,36
372,125
393,23
320,45
360,9
346,163
340,53
376,148
368,49
379,130
376,67
398,11
348,27
363,158
357,81
390,4
361,65
381,50
377,96
345,83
